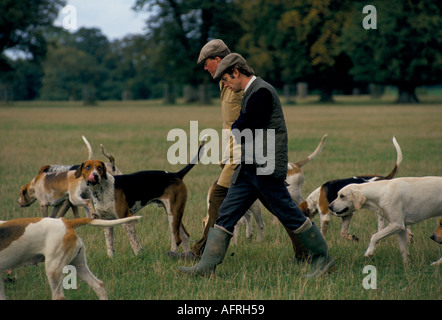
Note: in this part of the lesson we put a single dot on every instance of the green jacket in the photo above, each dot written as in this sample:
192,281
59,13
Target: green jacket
269,116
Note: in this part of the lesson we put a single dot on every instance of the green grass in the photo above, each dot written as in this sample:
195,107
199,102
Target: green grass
359,142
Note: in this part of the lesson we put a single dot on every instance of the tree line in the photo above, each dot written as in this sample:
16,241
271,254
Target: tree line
325,44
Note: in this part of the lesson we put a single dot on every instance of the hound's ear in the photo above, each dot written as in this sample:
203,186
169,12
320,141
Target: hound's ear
78,171
104,170
358,199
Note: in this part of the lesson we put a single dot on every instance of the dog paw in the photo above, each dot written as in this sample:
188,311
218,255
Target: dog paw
369,253
351,237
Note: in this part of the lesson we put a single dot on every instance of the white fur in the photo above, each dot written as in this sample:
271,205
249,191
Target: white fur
401,202
44,240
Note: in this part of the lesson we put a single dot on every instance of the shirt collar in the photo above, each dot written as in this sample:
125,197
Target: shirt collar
250,82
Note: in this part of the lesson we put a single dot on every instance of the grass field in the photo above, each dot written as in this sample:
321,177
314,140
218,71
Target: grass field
359,142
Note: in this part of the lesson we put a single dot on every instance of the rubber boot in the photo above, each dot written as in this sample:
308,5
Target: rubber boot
214,252
314,242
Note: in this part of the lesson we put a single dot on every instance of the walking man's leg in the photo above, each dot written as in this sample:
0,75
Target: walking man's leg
239,198
278,201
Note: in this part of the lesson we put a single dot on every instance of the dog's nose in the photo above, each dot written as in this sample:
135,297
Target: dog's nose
330,206
93,178
432,237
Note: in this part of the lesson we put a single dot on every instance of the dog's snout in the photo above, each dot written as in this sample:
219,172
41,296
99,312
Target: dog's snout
93,178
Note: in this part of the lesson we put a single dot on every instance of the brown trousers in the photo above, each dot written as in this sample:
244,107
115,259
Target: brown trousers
215,200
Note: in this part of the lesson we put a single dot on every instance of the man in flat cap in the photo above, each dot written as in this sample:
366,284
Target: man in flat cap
261,117
211,55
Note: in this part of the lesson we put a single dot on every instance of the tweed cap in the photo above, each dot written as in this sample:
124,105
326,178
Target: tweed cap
211,48
231,60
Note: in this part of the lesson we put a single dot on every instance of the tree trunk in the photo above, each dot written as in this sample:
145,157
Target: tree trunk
407,94
169,95
326,94
203,93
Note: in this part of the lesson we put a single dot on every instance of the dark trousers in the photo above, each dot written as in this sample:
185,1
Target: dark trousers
271,192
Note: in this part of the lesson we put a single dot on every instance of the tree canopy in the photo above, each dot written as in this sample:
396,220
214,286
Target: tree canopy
320,42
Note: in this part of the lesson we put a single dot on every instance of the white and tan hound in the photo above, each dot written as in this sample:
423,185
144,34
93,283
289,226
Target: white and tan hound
52,189
320,199
401,202
61,209
436,236
54,241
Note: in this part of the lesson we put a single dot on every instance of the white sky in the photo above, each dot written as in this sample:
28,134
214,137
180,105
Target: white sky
114,18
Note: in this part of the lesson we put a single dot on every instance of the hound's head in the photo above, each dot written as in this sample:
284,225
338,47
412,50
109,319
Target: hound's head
92,171
27,196
437,234
349,199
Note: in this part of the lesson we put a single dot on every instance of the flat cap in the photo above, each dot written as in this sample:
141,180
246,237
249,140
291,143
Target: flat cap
211,48
231,60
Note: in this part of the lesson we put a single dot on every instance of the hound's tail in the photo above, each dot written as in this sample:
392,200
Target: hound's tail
110,157
195,159
398,159
75,223
314,154
89,148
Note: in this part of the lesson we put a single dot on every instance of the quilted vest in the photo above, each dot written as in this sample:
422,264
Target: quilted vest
277,123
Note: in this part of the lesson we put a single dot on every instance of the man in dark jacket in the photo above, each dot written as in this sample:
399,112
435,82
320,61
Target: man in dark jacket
261,130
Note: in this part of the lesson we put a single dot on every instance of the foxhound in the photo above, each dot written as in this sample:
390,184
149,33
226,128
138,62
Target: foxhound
437,237
122,195
52,189
54,241
320,199
58,168
401,202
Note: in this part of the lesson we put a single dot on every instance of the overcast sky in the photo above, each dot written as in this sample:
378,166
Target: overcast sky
115,18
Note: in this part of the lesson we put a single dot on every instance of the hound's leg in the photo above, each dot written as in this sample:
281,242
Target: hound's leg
80,263
109,236
132,235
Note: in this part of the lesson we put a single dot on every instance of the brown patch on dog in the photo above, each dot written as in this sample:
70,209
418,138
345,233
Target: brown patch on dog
177,195
13,230
295,169
44,168
121,206
56,182
70,238
303,206
25,199
437,234
323,201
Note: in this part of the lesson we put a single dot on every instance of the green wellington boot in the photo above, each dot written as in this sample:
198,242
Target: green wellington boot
214,252
314,242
